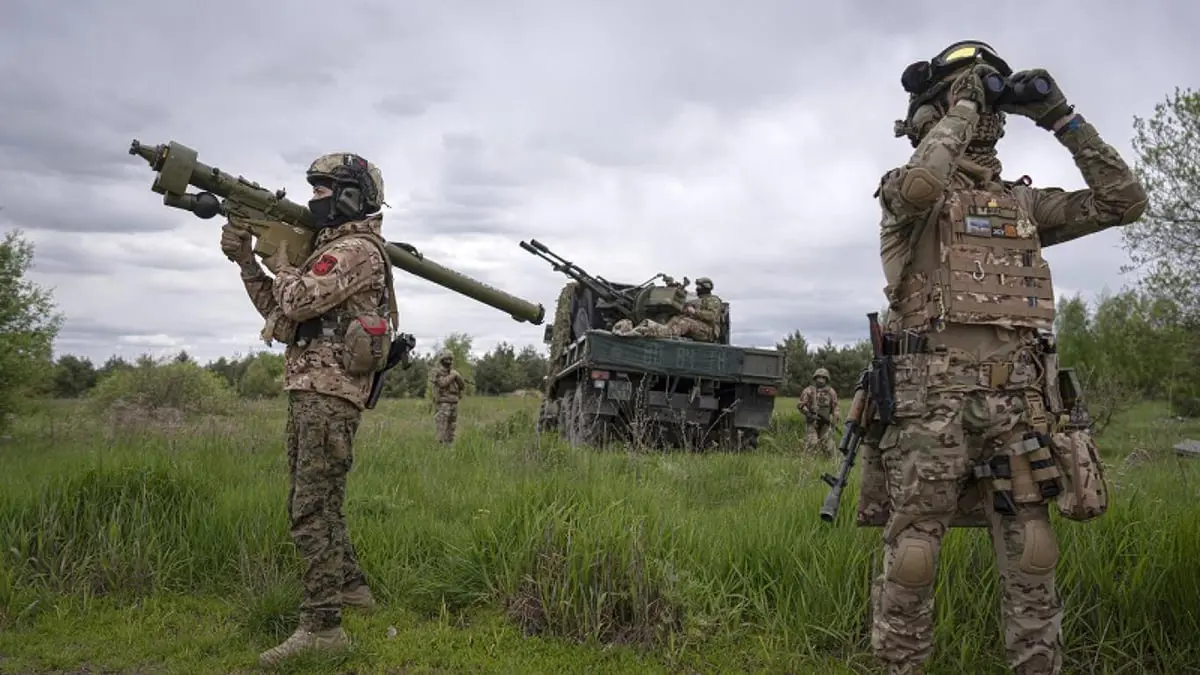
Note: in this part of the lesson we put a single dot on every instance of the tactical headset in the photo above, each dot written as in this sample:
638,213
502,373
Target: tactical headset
351,179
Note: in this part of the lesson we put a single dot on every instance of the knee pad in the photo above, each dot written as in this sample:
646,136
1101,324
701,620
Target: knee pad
1040,554
913,565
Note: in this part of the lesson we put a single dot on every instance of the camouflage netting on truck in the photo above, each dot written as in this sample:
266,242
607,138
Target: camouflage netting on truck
561,333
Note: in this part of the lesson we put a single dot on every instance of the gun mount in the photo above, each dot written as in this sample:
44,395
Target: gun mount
598,303
273,219
671,392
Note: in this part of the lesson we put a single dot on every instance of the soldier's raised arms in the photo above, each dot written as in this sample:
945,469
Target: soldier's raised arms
1113,197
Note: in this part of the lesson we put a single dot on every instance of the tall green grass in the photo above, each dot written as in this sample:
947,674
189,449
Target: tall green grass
686,557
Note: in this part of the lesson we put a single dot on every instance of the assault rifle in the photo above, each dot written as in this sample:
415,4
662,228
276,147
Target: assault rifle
873,397
399,354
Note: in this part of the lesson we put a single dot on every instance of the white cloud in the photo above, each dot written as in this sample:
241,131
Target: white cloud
692,138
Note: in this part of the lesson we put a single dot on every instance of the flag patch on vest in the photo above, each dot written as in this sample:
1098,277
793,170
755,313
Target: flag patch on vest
980,227
1005,230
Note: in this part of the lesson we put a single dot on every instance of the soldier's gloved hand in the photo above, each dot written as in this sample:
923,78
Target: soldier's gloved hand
1045,111
969,86
235,244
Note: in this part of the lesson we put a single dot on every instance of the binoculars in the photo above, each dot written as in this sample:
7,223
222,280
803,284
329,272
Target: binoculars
1001,90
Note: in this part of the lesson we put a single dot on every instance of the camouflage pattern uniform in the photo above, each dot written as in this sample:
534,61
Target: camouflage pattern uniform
448,388
819,405
701,320
310,308
961,251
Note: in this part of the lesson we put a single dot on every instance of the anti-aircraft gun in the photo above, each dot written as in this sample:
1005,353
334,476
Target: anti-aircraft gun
274,219
673,392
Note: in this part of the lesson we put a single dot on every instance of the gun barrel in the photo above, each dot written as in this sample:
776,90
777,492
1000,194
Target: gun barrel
521,310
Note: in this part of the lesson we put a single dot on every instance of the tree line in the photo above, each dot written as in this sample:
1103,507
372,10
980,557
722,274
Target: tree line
502,370
1143,342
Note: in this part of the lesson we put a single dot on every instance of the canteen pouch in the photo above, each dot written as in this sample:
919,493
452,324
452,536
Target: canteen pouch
367,343
1085,492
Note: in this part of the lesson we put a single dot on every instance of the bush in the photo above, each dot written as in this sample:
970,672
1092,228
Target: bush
263,377
185,387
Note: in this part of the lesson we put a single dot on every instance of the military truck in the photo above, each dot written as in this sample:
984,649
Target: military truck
653,392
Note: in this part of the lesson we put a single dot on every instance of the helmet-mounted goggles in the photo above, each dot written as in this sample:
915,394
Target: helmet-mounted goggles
926,80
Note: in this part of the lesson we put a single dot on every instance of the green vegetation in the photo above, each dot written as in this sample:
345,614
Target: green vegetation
159,544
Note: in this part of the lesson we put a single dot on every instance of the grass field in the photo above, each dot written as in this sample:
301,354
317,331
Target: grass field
161,546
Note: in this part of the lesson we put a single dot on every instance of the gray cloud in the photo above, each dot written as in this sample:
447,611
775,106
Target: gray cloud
690,138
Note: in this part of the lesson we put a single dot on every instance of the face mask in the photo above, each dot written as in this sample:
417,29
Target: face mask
321,210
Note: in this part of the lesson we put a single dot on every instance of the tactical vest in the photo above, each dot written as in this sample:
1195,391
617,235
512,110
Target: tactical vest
332,325
977,260
822,402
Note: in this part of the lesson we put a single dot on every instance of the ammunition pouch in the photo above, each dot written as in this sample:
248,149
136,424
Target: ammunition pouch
1023,472
367,343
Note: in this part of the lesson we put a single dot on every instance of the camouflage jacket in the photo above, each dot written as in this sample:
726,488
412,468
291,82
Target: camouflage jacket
821,401
708,310
1113,197
448,386
344,273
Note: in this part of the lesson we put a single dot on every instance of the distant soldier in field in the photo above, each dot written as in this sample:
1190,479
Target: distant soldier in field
333,313
819,405
700,321
448,388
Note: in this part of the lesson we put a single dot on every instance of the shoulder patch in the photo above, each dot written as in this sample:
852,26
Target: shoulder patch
324,265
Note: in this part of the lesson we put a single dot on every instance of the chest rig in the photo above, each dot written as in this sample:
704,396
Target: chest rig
333,324
822,400
977,261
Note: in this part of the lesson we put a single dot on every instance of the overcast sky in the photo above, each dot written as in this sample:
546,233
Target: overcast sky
689,137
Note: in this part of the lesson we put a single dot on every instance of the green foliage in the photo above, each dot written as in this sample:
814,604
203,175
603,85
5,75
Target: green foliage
504,370
1130,346
28,326
844,363
263,376
1166,242
73,377
177,385
147,550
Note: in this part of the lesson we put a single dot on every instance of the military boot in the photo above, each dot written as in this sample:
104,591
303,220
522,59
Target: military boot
360,596
304,640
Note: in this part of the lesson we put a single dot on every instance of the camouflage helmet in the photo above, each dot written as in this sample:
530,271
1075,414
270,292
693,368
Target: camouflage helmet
446,356
820,372
344,168
704,284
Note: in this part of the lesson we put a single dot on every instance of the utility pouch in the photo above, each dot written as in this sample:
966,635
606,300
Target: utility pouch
1036,477
367,342
998,474
1085,492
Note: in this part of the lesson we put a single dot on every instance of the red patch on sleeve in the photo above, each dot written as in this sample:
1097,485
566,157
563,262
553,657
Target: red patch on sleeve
324,266
378,327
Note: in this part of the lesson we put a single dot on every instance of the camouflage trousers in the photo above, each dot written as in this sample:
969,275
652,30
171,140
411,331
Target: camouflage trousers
445,420
929,467
818,437
678,326
320,435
